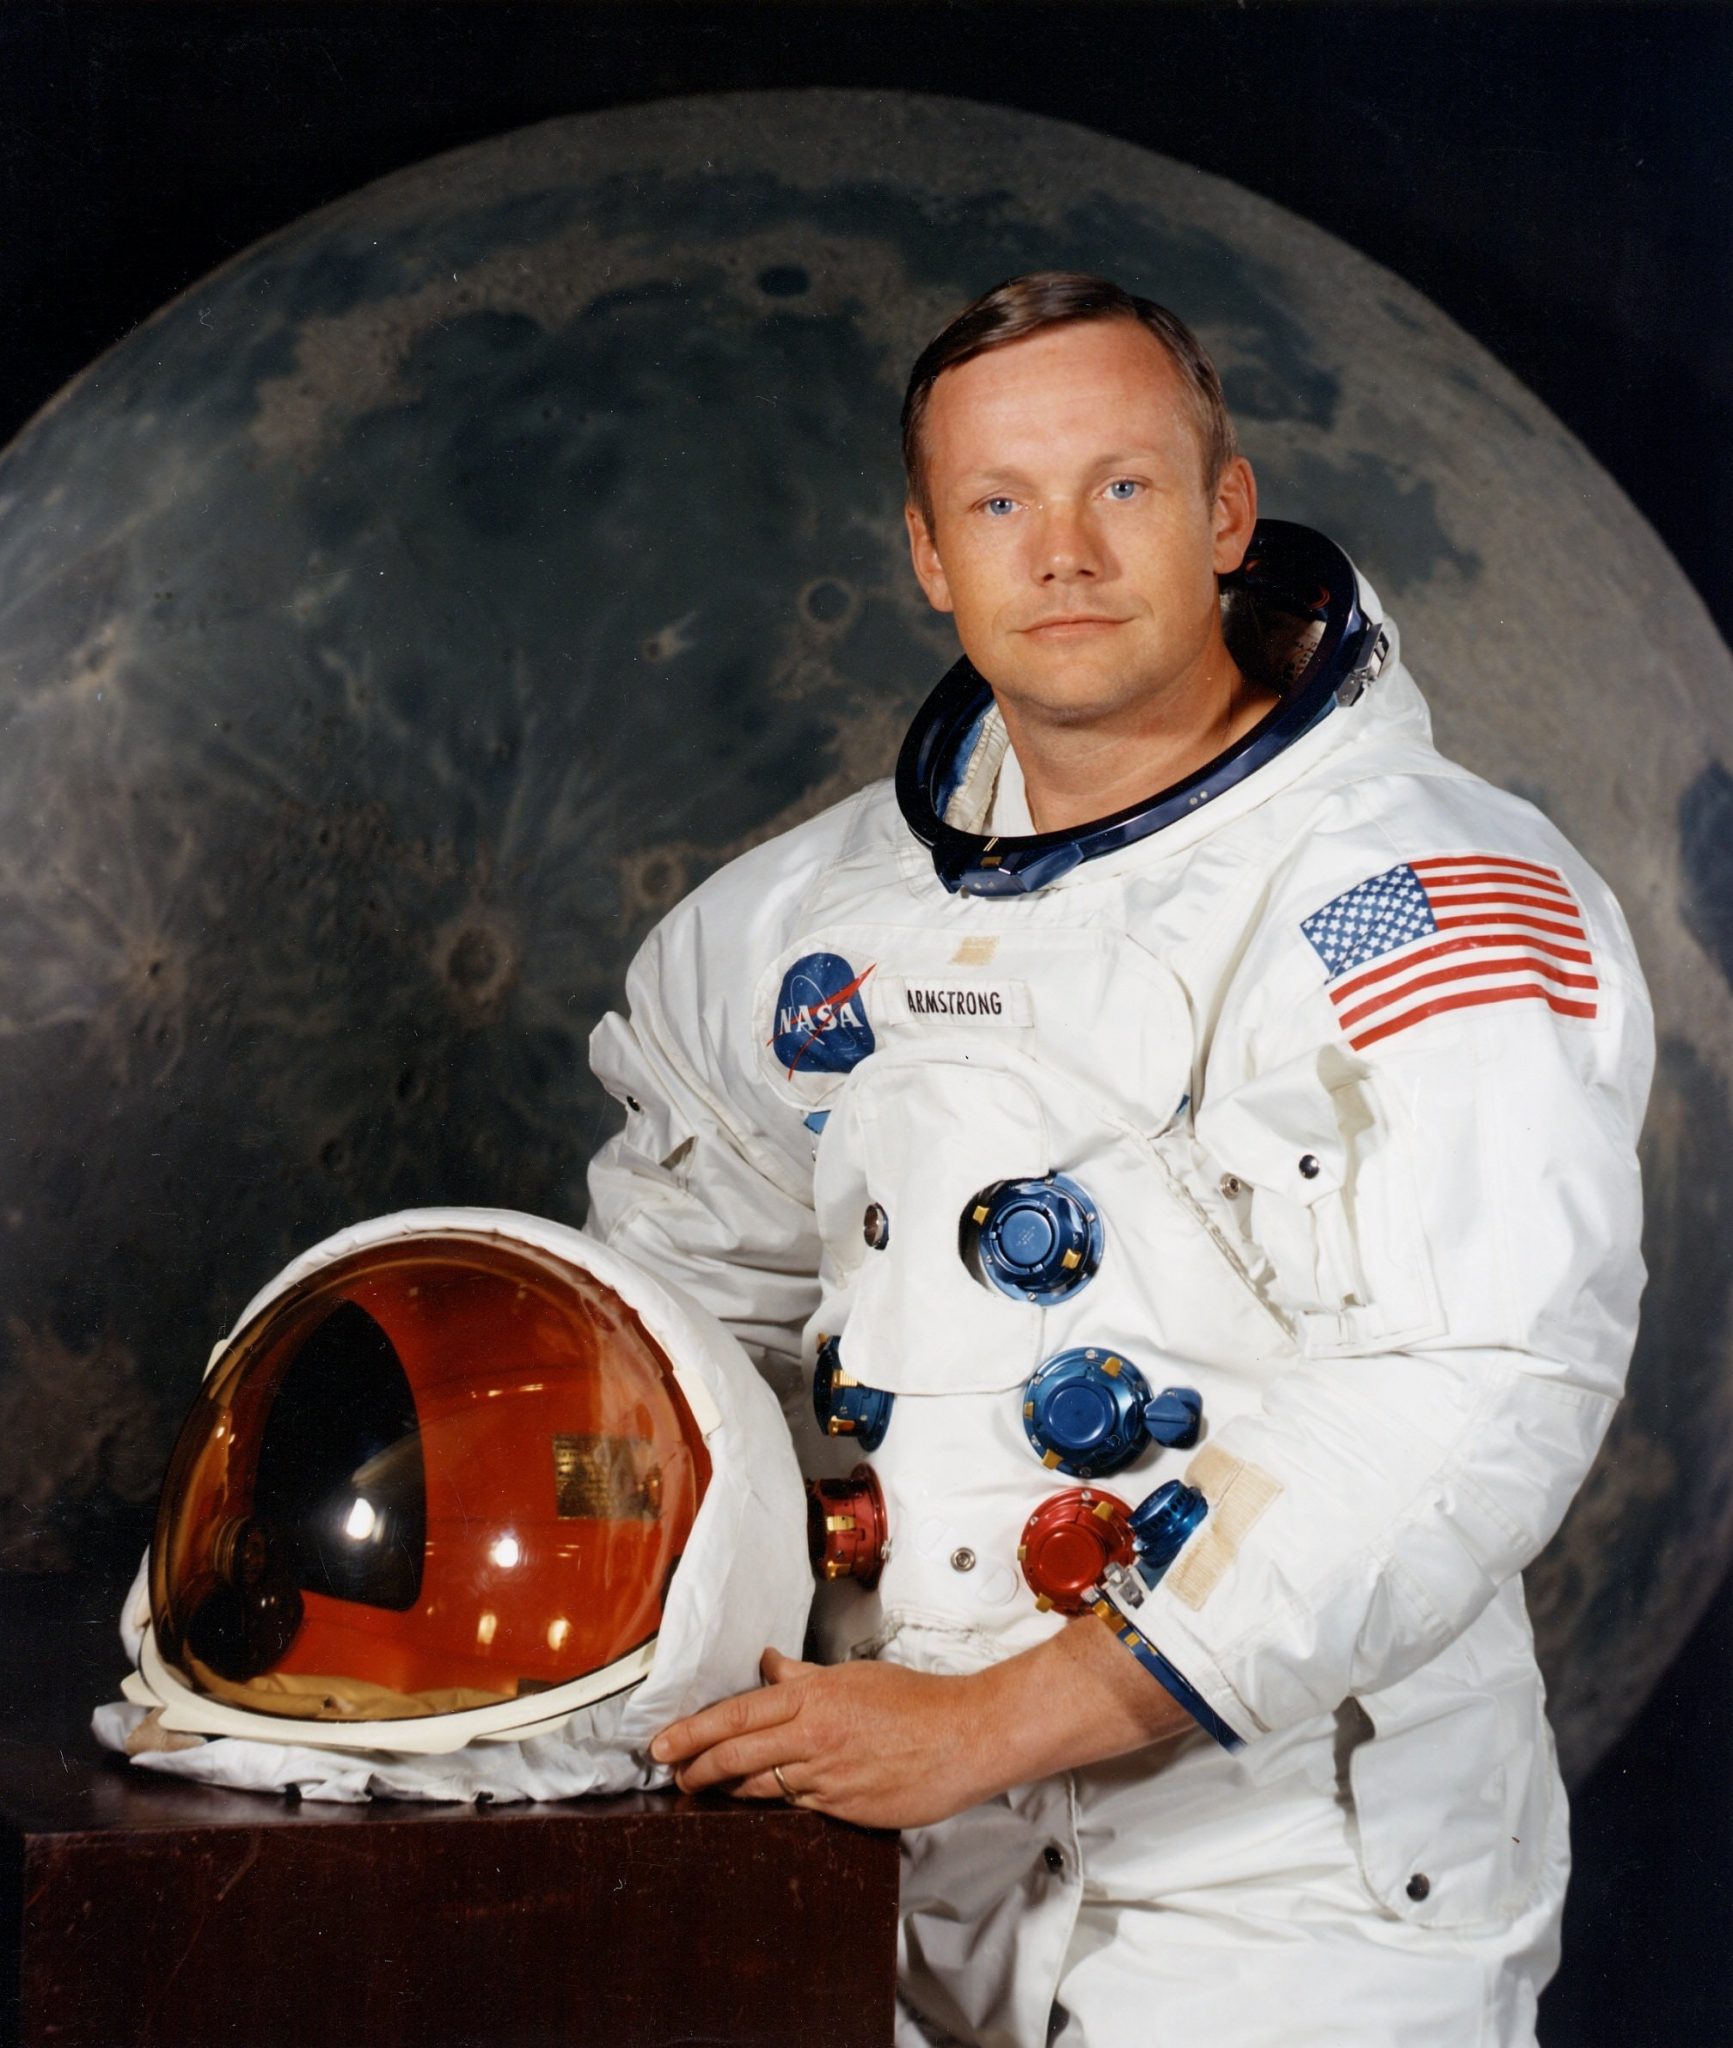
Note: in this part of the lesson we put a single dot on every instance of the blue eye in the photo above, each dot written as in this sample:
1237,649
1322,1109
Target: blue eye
1123,488
996,508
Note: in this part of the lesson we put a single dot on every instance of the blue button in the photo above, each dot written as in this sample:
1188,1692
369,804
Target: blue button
1036,1240
1081,1416
1083,1411
1175,1417
1026,1238
1161,1524
843,1406
1089,1411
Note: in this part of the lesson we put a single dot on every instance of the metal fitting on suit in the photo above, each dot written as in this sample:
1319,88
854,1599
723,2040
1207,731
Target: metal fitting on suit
1069,1542
843,1406
1084,1539
1036,1240
1089,1411
847,1530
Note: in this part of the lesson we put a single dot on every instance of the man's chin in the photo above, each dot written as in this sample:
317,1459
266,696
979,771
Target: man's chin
1070,703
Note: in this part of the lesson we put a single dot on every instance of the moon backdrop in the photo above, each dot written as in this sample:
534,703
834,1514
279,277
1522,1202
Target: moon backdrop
404,617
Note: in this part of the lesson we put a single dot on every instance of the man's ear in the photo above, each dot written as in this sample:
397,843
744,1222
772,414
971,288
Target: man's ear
1235,514
929,570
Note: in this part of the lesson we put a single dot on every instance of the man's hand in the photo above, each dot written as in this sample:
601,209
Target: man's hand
887,1747
871,1743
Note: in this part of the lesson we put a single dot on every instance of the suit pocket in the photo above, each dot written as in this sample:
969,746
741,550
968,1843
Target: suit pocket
1319,1169
1453,1793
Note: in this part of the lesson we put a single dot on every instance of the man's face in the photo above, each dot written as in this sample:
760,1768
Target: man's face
1071,532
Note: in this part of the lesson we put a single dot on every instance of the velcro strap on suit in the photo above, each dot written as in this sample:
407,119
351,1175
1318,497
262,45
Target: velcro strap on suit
1238,1494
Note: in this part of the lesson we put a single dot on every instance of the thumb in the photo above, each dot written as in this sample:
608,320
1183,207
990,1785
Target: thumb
776,1669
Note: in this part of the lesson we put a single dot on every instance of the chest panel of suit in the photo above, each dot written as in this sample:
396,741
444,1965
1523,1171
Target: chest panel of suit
975,1058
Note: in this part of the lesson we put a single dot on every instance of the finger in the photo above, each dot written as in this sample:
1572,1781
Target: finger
763,1708
763,1785
777,1668
739,1757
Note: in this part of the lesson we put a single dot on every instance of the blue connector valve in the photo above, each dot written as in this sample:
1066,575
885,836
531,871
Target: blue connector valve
1174,1418
843,1406
1159,1528
1089,1411
1035,1240
1161,1524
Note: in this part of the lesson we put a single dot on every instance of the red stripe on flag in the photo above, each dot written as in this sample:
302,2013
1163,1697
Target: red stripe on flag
1455,873
1475,942
1470,860
1468,970
1452,896
1468,998
1539,924
1495,878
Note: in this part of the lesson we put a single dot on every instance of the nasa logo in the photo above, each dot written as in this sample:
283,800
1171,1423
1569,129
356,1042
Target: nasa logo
821,1016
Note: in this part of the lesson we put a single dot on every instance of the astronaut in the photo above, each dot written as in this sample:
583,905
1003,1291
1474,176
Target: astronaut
1172,1151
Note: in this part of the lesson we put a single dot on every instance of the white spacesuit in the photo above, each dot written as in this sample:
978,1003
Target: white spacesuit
1311,1091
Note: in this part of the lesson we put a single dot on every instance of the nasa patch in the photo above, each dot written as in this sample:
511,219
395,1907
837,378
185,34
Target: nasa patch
821,1016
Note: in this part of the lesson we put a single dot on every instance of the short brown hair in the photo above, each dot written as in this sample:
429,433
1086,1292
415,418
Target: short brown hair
1023,306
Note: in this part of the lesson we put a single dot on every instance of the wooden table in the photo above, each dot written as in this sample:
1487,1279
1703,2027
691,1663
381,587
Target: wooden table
142,1911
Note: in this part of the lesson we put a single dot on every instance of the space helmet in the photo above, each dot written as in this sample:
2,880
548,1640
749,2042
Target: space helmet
466,1476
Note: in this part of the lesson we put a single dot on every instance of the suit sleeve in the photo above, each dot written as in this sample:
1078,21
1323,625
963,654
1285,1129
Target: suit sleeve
695,1185
1446,1215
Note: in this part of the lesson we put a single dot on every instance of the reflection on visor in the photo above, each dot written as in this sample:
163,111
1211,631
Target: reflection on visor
340,1471
442,1473
251,1609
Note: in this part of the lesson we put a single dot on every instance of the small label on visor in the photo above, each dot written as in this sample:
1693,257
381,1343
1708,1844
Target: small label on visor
608,1478
960,999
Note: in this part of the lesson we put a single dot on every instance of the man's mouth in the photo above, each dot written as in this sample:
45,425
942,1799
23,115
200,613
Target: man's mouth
1070,622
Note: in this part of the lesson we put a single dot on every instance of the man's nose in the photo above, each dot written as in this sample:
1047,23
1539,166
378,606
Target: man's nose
1068,546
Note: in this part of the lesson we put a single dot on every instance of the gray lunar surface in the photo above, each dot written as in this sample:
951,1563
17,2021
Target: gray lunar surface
401,619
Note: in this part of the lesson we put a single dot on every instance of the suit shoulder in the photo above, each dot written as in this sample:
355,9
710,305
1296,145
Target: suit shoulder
1437,819
758,896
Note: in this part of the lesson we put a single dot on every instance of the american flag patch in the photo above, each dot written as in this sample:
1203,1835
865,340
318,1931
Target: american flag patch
1451,933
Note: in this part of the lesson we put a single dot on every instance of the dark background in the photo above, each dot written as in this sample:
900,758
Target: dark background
1558,178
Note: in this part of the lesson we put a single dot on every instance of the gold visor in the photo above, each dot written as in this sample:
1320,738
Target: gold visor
439,1473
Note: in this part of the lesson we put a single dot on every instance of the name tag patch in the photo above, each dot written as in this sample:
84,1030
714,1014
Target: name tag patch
954,999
